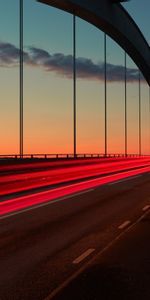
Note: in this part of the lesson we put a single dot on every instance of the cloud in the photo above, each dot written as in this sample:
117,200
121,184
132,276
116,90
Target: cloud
63,64
9,55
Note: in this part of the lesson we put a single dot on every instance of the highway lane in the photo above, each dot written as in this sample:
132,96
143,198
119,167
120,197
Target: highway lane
38,247
25,202
100,167
20,182
121,272
36,165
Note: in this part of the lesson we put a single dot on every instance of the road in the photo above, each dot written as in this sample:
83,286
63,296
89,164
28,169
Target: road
24,165
54,173
122,272
45,247
63,181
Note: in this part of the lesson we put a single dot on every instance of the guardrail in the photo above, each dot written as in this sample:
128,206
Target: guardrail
66,156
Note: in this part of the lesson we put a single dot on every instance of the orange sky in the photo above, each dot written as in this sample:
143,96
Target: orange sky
48,123
48,96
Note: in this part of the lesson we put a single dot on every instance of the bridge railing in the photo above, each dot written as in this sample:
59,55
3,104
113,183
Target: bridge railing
67,156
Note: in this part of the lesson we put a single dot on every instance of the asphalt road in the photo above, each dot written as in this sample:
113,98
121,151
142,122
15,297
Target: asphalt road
56,173
22,166
122,272
45,248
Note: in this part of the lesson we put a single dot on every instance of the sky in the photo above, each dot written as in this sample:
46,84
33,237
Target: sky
48,85
139,10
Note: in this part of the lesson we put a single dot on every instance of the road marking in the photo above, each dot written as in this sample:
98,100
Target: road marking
124,224
146,207
83,256
93,259
126,179
44,204
80,193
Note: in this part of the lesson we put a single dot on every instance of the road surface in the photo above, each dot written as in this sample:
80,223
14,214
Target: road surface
32,176
45,247
62,181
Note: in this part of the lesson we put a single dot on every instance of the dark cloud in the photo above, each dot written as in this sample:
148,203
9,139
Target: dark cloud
9,55
63,64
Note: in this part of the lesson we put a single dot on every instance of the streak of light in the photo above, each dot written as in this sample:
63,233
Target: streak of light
22,182
21,203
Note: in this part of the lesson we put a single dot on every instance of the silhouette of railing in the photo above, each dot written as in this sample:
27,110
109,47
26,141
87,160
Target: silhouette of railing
67,156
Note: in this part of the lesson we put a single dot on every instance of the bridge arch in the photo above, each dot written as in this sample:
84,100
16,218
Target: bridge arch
114,20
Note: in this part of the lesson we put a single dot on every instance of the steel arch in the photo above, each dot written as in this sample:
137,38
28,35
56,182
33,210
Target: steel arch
114,20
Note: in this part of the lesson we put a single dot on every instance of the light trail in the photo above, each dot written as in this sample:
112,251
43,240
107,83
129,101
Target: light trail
67,162
74,169
21,203
22,182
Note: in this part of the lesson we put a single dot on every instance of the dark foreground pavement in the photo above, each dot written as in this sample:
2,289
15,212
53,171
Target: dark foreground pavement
122,272
39,246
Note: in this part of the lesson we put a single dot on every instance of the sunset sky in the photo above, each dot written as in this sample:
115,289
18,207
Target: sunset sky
48,85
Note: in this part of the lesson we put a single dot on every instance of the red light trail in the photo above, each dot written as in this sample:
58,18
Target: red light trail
67,162
24,202
31,180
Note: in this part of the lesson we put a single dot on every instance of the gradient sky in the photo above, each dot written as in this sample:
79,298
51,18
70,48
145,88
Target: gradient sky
48,88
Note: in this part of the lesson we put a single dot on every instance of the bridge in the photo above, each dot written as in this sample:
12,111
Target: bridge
72,186
112,19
